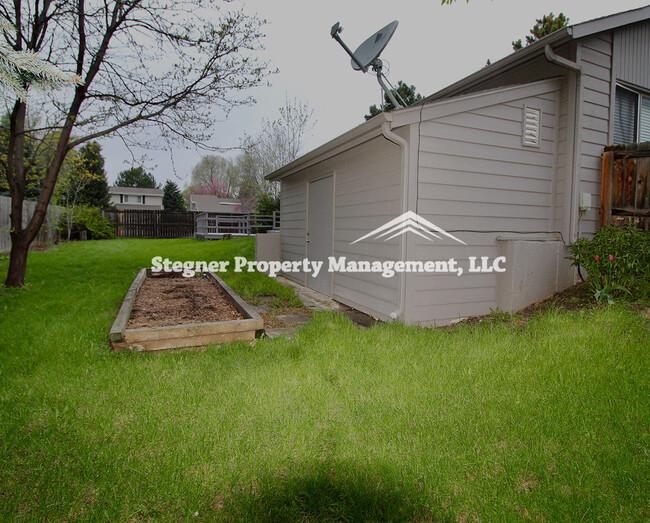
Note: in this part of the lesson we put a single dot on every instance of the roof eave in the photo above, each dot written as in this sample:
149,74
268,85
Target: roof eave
343,142
556,38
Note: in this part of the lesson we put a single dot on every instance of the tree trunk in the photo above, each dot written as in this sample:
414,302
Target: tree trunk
17,261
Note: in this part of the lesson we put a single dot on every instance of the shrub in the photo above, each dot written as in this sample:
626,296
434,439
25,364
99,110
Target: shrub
88,219
267,204
617,260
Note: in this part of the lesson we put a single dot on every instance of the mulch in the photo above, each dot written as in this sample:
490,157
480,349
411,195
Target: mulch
170,299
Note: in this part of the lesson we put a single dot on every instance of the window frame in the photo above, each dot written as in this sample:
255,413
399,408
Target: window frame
640,94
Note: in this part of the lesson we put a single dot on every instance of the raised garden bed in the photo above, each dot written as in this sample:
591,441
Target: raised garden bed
166,311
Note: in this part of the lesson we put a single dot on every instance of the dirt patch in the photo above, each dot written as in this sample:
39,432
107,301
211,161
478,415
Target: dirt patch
576,297
170,299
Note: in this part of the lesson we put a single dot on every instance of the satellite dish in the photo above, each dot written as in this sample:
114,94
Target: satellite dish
367,55
370,50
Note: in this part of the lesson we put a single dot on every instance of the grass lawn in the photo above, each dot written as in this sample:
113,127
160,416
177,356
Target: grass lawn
493,421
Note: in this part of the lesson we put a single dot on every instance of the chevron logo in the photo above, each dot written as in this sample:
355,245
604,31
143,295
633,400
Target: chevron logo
408,222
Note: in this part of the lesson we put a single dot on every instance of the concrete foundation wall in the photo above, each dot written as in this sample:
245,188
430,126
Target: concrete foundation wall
267,246
535,270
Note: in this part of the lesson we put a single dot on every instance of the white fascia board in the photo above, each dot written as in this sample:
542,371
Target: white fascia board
607,23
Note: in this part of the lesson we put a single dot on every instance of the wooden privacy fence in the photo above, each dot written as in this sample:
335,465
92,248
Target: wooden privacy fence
152,223
625,195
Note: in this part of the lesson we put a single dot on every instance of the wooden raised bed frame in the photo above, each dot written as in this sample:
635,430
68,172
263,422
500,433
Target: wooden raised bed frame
192,335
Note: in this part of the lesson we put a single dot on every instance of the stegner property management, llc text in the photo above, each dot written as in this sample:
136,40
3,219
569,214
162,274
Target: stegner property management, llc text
387,268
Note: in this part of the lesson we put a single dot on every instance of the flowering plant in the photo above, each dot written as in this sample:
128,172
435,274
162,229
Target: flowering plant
617,260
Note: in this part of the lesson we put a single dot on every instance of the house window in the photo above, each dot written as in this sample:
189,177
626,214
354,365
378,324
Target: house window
631,116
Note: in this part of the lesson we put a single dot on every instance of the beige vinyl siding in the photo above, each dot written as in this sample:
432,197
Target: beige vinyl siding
293,203
594,55
561,200
367,192
475,175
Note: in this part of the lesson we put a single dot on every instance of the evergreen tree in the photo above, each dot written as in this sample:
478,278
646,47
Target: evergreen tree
544,26
136,177
172,197
408,94
95,193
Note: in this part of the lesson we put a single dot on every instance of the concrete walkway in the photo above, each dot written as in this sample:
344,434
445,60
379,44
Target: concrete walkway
311,298
318,302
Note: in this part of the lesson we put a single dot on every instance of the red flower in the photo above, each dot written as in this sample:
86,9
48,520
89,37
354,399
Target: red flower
611,257
597,257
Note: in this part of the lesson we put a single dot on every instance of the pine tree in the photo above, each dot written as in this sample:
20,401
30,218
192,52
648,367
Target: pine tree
545,26
408,94
95,193
172,197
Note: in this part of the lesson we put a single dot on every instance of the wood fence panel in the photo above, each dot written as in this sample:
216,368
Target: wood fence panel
152,223
625,195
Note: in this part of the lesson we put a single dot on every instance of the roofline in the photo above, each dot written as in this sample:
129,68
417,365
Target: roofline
559,37
114,189
609,22
359,134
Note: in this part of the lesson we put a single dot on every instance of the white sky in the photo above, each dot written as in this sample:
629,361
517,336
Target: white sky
433,46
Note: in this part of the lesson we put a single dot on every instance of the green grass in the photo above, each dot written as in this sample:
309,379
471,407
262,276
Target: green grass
494,421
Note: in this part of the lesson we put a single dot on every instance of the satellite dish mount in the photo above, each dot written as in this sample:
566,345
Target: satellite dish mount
367,55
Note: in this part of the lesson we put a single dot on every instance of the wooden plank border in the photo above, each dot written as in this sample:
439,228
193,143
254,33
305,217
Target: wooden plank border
192,335
119,325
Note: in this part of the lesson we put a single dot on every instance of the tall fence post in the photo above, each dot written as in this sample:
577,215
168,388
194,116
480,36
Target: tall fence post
606,189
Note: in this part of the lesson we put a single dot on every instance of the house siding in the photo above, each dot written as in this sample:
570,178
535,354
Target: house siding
595,58
367,193
631,54
477,181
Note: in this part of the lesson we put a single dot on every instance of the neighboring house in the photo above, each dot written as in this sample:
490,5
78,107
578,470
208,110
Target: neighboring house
214,204
507,160
136,198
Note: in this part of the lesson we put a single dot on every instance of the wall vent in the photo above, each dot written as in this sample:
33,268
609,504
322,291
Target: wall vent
532,126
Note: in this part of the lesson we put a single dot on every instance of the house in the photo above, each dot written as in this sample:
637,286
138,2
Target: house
214,204
136,198
505,164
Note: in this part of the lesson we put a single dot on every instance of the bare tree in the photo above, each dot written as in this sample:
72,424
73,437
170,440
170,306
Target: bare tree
278,144
215,169
164,63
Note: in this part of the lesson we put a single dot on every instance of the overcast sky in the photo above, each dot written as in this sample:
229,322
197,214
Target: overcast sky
433,46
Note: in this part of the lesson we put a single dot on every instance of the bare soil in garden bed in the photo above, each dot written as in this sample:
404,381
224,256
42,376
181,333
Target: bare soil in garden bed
167,299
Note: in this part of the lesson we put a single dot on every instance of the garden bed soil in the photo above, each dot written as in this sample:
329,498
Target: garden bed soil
170,299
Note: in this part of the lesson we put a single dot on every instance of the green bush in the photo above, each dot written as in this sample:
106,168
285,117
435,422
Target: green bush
87,219
617,260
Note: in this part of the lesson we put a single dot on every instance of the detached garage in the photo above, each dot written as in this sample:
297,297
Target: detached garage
504,163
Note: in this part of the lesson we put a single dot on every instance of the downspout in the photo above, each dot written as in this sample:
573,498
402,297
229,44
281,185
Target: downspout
386,129
575,169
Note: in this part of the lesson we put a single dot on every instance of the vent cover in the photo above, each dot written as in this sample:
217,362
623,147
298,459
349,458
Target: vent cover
531,126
